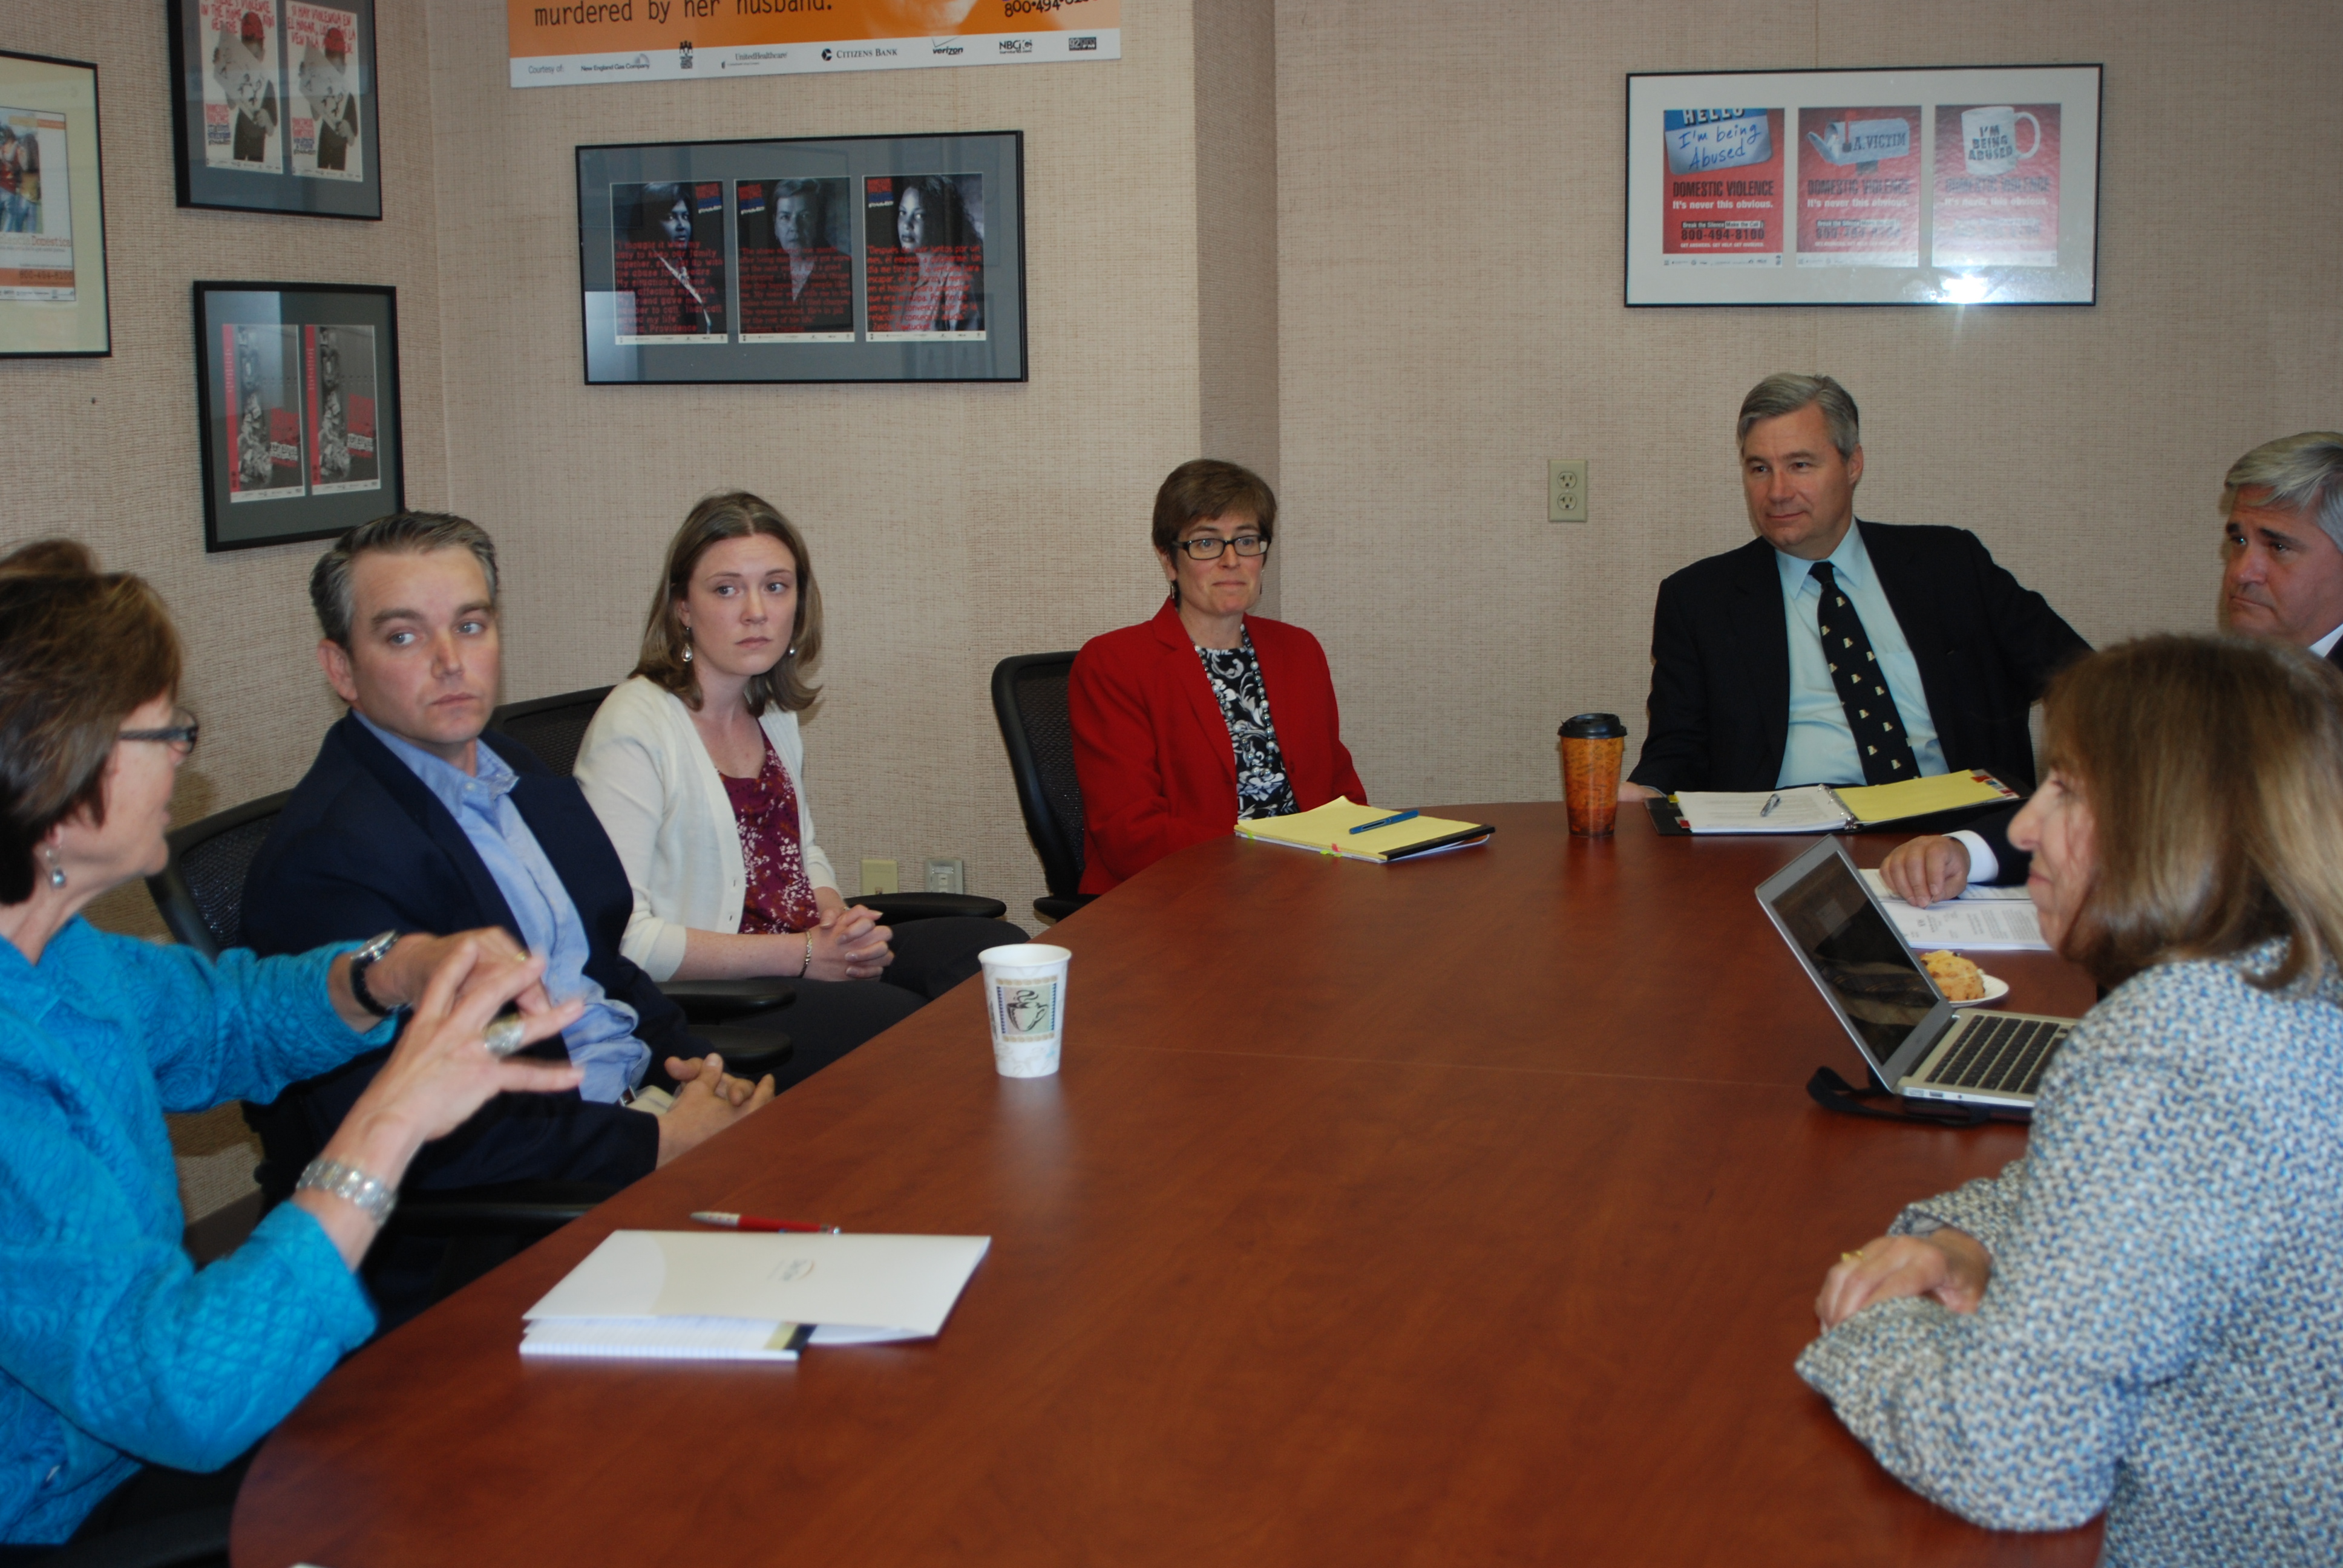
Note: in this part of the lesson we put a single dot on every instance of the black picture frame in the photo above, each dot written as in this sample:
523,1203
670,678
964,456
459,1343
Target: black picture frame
1936,185
297,163
53,271
306,367
709,290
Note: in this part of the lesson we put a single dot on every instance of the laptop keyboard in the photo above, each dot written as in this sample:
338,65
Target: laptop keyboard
2001,1055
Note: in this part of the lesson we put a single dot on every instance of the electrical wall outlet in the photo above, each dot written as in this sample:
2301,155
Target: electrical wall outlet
1566,490
948,876
878,877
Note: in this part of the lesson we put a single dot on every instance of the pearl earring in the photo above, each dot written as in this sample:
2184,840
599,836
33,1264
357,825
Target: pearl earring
57,872
687,653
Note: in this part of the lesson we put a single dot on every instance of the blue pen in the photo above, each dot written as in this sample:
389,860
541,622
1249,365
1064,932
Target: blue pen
1366,826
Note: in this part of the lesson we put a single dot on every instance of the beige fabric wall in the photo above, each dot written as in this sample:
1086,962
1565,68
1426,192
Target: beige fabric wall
106,449
1450,240
1236,241
949,526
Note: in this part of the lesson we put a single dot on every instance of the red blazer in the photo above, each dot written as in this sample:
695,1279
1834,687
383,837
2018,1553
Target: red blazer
1157,768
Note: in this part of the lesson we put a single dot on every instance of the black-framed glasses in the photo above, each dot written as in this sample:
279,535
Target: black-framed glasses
180,737
1207,546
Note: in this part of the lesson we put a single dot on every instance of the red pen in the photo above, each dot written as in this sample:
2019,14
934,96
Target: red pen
753,1223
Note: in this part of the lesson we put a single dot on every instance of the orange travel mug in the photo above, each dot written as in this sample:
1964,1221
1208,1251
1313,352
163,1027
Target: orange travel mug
1592,747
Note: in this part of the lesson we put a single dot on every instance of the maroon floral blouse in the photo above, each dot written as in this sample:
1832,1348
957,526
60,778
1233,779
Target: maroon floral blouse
781,894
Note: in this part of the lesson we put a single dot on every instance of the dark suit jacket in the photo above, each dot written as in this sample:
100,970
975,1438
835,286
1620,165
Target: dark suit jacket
1719,706
361,847
1994,827
1151,748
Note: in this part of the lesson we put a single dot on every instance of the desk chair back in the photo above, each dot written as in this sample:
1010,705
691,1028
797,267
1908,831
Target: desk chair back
552,727
200,894
1028,698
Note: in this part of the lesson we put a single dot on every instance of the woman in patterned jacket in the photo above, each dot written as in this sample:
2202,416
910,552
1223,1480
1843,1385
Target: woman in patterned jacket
696,768
2145,1314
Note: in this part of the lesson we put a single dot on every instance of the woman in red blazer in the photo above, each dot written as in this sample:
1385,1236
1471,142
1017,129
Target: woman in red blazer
1203,715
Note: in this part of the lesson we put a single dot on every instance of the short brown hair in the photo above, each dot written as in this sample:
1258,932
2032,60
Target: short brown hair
2213,770
80,650
331,591
732,515
1207,488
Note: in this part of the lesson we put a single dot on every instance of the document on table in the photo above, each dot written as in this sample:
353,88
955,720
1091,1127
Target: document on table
1809,809
726,1296
1979,925
1327,831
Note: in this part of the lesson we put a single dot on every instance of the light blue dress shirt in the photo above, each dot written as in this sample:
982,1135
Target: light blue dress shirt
602,1042
1820,749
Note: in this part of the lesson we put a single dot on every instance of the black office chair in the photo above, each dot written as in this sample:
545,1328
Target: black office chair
1028,698
554,727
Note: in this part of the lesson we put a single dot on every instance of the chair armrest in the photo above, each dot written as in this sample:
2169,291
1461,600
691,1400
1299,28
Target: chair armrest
531,1209
749,1051
1058,906
724,1001
921,905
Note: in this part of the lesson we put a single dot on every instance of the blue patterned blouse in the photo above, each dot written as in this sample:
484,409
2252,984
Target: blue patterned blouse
1262,788
114,1348
2163,1335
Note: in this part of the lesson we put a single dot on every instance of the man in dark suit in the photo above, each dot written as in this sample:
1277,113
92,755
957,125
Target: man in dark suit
1828,651
2281,578
412,820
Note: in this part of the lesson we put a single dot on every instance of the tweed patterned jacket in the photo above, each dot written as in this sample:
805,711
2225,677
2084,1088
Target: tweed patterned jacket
2163,1335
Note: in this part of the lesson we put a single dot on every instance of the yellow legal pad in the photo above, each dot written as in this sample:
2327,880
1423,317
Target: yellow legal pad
1919,797
1327,830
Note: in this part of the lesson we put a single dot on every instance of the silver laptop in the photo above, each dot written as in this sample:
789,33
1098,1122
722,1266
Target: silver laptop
1906,1030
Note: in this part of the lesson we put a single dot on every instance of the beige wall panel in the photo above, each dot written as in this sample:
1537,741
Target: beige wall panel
106,449
950,525
1450,237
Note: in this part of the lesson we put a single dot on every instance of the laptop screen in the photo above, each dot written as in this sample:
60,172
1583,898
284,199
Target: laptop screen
1857,954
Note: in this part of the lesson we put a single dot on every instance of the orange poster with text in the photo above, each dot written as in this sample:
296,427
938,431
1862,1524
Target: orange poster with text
600,41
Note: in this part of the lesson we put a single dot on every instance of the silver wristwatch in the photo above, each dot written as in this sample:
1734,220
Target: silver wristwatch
364,958
351,1185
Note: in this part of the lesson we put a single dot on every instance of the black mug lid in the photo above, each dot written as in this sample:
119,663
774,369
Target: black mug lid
1595,726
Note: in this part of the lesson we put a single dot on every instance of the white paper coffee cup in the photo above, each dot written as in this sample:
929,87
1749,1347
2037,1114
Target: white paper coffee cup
1025,998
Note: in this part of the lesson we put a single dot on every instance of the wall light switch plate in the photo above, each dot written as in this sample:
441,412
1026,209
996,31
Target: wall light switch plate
878,877
1566,490
948,876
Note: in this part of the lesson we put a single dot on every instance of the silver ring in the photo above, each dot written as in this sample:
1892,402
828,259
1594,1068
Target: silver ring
503,1036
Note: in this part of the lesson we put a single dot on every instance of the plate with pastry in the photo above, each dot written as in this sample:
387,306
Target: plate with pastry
1962,982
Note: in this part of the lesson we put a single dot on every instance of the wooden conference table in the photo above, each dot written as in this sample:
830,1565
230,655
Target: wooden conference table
1469,1210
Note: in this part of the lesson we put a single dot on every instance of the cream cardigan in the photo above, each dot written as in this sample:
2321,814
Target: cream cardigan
649,778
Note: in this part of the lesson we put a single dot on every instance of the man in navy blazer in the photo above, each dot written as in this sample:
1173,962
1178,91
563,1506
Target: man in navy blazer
1745,694
368,843
2281,578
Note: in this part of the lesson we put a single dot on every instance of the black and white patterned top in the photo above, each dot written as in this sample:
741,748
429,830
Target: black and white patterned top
2159,1337
1235,674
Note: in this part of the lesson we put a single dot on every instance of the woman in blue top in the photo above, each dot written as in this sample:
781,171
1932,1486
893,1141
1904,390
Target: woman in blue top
115,1350
2145,1314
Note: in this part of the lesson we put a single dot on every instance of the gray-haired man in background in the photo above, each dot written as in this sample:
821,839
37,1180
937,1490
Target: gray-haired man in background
2281,578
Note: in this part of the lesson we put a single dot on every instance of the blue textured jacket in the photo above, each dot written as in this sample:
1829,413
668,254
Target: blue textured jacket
2163,1335
114,1347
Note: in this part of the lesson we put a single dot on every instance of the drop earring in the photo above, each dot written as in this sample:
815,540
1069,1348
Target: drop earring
687,645
57,872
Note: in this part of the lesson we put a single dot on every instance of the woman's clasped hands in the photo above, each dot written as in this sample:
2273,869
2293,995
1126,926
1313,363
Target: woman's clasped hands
848,944
1949,1266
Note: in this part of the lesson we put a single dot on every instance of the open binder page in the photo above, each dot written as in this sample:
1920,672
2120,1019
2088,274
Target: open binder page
1809,809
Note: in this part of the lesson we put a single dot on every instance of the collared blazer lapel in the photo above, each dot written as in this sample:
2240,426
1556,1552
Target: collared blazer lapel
1761,638
413,797
1187,672
1918,606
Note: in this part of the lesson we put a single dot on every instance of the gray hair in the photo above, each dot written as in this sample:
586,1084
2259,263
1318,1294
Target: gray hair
2302,473
413,532
1786,392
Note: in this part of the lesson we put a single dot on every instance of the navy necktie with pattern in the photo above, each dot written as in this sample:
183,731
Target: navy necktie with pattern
1879,738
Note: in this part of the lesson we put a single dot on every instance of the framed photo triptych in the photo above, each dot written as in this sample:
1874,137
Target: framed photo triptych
858,258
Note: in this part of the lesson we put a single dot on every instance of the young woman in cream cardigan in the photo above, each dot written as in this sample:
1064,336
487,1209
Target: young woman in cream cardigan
696,768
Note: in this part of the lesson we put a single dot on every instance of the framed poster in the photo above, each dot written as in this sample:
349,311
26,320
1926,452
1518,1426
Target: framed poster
296,390
52,211
1956,186
843,258
273,106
